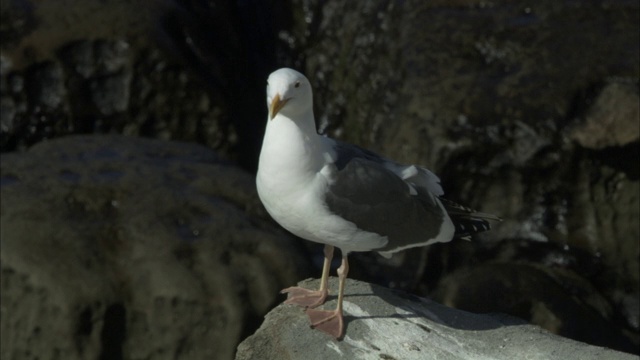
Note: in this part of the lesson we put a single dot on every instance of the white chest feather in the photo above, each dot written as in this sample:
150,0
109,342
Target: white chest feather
294,171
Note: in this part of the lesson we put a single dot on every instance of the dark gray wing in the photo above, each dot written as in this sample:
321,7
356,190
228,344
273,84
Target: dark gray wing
371,196
347,152
417,176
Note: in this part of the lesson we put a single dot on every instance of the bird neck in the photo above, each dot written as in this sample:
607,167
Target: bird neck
292,145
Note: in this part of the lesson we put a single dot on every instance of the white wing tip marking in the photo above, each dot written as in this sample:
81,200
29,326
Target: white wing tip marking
409,171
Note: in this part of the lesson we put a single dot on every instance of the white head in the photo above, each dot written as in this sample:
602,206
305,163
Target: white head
288,93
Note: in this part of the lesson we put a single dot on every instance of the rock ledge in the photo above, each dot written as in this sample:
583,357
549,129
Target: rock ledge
385,324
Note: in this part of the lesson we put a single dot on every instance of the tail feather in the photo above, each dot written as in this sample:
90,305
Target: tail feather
466,220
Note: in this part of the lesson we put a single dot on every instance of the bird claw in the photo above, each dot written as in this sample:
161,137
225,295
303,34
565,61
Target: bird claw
304,297
327,321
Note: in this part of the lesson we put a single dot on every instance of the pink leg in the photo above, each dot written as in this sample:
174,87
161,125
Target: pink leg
331,321
312,298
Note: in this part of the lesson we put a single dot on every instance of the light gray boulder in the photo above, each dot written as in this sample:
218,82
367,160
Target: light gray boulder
386,324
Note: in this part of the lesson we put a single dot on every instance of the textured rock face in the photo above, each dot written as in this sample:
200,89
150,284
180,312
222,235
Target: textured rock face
107,72
611,120
383,324
529,111
559,300
123,248
526,111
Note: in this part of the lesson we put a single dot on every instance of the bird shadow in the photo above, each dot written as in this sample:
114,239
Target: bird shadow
384,303
415,307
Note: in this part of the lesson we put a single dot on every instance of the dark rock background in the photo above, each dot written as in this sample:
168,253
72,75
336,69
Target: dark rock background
526,111
117,247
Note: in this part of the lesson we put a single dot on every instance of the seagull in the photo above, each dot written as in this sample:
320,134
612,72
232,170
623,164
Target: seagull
341,195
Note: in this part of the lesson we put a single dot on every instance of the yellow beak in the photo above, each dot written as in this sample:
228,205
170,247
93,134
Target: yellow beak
276,105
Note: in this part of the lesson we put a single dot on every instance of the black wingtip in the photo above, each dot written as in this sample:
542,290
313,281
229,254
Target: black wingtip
466,220
466,226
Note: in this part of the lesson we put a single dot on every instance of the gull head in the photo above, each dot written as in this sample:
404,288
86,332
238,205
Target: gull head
288,93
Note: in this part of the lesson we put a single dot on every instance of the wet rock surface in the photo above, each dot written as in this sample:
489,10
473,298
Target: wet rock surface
528,111
122,248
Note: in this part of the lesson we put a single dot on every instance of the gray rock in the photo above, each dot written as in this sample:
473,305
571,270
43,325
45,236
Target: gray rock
384,324
111,94
7,113
487,95
108,72
125,248
409,72
47,86
612,119
542,295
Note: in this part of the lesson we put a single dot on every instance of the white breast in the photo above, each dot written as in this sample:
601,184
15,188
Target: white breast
293,175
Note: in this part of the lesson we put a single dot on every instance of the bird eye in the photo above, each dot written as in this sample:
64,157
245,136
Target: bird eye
297,84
